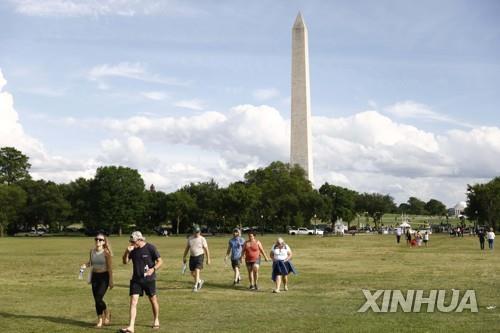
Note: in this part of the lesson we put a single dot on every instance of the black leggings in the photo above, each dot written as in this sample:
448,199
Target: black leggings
100,283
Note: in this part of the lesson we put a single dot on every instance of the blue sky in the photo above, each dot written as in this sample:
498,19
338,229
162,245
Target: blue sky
404,94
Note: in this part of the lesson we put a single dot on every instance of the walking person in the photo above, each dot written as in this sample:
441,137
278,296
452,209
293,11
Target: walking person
398,234
146,261
481,236
197,247
408,237
252,250
101,276
491,237
235,249
281,254
426,238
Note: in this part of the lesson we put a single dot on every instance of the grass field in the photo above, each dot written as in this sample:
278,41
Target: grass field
40,292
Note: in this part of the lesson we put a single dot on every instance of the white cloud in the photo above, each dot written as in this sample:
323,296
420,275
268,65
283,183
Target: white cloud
127,8
44,165
192,104
411,109
134,71
155,95
367,151
266,94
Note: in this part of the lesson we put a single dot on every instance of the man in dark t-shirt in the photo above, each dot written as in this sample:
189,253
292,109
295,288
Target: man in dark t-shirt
146,261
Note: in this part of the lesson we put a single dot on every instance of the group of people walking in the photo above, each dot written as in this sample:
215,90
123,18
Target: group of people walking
482,235
147,261
414,239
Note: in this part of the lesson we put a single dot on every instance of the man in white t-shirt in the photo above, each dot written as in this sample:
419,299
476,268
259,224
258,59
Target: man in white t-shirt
198,248
399,232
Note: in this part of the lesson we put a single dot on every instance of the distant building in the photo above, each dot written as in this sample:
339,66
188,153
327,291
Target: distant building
459,208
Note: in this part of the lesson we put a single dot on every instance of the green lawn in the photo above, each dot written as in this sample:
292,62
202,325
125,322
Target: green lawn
40,292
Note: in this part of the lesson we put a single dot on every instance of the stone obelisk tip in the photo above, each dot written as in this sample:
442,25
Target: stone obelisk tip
299,21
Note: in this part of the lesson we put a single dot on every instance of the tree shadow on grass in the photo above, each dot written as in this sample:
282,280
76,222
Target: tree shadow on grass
56,320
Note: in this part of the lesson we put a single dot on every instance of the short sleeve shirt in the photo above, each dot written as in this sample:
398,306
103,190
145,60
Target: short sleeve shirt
236,245
196,245
280,254
142,256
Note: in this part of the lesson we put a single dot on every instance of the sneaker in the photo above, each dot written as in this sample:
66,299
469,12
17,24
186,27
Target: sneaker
285,288
195,289
256,287
251,287
276,291
238,280
200,284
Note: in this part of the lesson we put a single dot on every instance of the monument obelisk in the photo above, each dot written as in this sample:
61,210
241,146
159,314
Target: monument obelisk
300,141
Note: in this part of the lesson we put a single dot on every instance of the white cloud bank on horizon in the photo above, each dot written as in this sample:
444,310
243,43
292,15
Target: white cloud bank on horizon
44,165
367,151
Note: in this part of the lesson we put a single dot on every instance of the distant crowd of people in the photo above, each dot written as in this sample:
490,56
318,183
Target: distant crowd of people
414,239
146,261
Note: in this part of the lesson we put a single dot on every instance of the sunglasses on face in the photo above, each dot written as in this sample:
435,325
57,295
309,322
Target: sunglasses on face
99,239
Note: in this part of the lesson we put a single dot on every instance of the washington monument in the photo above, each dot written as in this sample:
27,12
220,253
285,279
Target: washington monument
300,141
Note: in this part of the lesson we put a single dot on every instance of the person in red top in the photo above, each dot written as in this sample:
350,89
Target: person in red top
252,250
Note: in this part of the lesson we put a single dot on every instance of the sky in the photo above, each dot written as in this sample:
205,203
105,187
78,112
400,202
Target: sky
404,94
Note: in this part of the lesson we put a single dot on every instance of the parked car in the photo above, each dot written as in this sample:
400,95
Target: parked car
37,232
304,231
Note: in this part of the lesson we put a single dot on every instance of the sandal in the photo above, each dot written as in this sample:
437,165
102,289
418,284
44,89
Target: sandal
125,330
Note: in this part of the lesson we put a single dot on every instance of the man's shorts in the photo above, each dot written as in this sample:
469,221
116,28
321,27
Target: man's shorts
143,286
196,262
235,263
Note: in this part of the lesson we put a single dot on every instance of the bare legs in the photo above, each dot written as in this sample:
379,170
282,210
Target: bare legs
155,306
236,274
134,299
196,277
253,275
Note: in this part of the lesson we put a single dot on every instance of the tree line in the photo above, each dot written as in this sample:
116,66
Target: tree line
116,199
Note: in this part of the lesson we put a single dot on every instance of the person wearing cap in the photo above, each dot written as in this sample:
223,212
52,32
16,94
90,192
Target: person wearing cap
146,261
197,247
235,248
281,254
252,250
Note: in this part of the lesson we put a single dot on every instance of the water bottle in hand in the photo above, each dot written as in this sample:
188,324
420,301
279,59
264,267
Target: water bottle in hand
80,275
146,269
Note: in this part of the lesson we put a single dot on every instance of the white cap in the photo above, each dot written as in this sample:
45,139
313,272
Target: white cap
137,235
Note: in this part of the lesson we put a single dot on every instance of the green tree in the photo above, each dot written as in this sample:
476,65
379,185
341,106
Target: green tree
14,166
483,202
416,206
12,202
435,207
375,205
77,193
282,187
342,202
240,204
155,212
116,198
46,205
179,207
208,198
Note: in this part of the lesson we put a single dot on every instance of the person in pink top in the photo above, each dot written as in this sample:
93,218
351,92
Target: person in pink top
252,250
